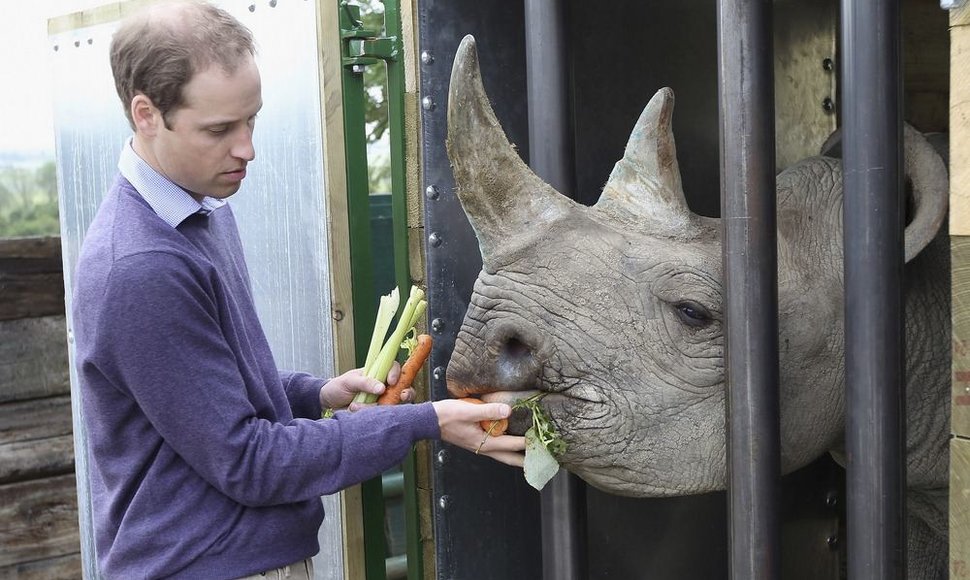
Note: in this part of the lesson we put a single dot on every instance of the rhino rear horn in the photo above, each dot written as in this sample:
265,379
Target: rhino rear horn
644,188
500,194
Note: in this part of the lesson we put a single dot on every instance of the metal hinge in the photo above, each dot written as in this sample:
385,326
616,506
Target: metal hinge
361,46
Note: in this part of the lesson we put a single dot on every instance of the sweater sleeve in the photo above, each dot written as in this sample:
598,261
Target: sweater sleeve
160,341
303,392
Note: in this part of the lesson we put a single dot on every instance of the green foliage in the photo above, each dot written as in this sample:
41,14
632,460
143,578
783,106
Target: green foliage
28,201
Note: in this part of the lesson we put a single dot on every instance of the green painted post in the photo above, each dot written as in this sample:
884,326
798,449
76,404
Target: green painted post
361,258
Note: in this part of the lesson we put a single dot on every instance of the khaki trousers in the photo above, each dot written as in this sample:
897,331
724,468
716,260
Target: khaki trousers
302,570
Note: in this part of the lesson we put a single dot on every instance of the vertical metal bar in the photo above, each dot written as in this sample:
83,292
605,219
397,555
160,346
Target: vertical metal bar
746,99
874,339
563,500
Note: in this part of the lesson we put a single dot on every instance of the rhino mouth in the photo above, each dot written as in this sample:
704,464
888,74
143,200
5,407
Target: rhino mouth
552,403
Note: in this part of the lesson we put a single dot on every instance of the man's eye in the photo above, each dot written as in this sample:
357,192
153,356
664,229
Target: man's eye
693,314
217,130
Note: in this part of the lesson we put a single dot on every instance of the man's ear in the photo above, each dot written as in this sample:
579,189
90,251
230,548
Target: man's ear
147,118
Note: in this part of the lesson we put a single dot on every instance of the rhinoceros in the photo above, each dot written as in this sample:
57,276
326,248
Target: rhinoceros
615,311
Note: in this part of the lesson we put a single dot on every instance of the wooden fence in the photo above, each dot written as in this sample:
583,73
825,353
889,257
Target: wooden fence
38,499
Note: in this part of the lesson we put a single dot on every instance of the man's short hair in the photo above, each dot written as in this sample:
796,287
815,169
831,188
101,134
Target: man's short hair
158,50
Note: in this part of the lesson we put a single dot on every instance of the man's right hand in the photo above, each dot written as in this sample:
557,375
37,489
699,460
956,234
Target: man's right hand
459,424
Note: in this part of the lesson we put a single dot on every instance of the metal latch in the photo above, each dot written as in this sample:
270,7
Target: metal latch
361,46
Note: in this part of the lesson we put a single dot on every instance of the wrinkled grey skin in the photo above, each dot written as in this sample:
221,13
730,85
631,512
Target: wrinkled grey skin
616,311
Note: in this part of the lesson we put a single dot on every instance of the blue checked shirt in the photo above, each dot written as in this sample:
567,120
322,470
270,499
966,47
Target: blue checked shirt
172,203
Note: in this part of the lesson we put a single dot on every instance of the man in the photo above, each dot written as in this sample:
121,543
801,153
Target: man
205,460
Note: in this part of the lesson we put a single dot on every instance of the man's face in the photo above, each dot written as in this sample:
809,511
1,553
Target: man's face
210,138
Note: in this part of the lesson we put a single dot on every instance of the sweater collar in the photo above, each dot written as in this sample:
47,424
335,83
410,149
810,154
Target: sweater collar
172,203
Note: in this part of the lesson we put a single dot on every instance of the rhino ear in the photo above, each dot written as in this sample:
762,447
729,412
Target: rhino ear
930,196
501,195
644,187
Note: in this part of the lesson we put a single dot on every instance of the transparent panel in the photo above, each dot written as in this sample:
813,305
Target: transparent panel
280,207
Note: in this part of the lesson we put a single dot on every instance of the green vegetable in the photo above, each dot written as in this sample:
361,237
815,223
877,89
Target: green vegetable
377,366
542,444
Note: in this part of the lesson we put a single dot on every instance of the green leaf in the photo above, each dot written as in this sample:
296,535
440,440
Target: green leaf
540,465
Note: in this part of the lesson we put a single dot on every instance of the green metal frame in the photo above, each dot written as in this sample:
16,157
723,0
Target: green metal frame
360,48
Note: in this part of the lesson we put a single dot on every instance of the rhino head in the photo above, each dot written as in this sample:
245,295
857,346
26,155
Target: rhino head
616,310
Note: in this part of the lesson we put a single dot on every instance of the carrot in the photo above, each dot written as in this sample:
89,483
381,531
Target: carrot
494,428
392,395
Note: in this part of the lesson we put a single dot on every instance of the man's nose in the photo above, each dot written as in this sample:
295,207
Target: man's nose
243,147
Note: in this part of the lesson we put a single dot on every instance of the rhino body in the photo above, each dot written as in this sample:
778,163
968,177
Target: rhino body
616,312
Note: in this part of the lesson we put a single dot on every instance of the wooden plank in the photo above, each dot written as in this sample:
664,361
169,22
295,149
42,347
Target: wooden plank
60,568
31,278
37,459
36,439
960,304
38,519
35,419
33,358
959,508
960,122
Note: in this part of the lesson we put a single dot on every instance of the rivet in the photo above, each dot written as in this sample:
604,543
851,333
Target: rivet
252,8
831,499
272,3
828,63
77,43
56,48
832,541
427,57
357,68
338,315
438,373
442,456
828,104
443,502
431,192
437,325
427,103
434,239
90,41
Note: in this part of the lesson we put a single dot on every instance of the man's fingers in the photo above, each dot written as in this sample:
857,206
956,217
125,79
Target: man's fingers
508,458
394,374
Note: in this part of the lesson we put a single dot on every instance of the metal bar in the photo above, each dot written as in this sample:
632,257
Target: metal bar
748,221
874,339
563,500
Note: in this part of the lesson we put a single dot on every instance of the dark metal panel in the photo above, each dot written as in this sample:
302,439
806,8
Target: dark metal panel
485,515
873,223
749,248
563,500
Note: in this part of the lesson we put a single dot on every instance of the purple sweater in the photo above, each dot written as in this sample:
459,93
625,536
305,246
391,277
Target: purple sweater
198,468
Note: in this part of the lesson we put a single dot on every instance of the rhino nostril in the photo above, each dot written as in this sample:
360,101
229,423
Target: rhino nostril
515,349
517,367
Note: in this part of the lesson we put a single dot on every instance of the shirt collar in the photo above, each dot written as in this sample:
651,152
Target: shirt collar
172,203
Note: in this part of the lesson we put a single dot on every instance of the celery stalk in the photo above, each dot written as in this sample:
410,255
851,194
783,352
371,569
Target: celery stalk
385,314
414,308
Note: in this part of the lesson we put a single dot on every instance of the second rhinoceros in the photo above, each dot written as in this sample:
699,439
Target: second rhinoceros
616,312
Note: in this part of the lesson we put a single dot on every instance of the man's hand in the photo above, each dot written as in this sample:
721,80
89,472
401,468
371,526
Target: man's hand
339,392
459,424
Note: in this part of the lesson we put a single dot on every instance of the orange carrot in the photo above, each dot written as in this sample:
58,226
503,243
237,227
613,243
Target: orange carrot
493,428
392,395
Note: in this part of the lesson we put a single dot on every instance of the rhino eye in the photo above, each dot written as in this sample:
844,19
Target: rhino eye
693,314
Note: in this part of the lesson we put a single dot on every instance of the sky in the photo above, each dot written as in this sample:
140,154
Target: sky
26,115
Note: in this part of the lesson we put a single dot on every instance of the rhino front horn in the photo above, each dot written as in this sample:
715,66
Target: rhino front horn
502,197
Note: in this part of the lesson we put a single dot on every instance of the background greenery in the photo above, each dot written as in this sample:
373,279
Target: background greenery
28,200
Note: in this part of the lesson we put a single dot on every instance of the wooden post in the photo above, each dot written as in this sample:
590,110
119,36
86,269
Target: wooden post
960,265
